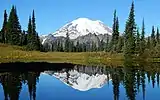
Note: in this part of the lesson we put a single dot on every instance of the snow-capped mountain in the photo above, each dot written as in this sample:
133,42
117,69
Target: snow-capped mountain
83,26
82,78
78,29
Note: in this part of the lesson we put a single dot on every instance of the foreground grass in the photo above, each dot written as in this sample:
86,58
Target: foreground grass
14,53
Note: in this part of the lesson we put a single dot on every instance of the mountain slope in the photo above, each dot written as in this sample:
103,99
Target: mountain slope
82,30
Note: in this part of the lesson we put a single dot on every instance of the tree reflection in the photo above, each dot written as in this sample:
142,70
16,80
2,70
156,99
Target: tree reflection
115,83
12,84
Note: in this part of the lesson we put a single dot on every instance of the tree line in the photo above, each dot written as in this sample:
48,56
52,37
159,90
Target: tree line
12,33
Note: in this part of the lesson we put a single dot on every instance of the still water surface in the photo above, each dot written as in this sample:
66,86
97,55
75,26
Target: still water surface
44,81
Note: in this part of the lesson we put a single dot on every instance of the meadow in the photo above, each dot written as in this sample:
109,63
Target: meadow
10,53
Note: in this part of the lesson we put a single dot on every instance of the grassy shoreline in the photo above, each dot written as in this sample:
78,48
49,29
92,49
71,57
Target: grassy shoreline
10,53
17,54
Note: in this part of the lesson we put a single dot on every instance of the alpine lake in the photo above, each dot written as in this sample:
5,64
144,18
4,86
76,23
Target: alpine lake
62,81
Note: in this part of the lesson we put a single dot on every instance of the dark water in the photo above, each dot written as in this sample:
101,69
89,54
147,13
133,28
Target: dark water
43,81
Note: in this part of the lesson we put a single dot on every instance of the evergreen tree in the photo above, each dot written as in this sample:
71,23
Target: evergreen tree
148,43
130,28
80,47
157,36
120,44
36,40
38,43
153,39
67,42
52,46
112,43
115,33
13,28
138,42
3,35
101,45
61,47
71,46
142,42
107,44
77,46
33,41
23,38
29,35
83,47
93,48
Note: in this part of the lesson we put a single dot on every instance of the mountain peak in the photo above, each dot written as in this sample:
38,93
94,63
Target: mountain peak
83,26
84,20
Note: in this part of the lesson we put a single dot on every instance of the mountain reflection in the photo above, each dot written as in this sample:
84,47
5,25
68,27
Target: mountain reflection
133,77
82,78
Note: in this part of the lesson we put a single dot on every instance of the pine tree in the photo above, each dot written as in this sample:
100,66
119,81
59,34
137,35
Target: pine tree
71,46
115,33
18,31
23,39
112,43
120,44
83,47
157,36
101,45
38,43
148,43
67,42
130,34
36,40
94,47
33,41
13,28
142,42
10,25
3,34
138,42
153,39
77,46
61,47
58,45
107,44
29,35
52,46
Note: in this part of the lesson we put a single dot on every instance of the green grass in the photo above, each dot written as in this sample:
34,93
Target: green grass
14,53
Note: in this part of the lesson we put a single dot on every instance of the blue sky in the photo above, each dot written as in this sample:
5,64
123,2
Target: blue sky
53,14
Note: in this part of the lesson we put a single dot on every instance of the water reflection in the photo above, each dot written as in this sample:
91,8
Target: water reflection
133,77
82,78
12,84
